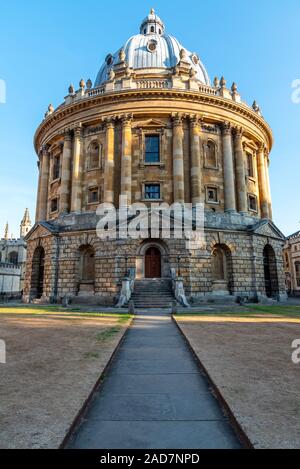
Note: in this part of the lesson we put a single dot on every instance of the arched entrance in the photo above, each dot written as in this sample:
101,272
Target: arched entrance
37,273
270,272
153,262
87,270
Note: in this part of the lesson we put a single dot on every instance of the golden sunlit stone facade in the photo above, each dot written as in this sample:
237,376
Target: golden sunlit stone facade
155,129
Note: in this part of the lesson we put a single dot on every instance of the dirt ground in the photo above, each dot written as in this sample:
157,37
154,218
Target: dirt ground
52,365
249,359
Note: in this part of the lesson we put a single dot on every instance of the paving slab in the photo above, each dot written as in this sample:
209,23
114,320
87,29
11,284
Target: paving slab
154,395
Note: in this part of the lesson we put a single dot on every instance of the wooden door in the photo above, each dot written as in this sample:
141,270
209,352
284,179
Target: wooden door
153,263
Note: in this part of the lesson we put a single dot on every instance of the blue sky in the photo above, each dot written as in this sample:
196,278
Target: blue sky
45,46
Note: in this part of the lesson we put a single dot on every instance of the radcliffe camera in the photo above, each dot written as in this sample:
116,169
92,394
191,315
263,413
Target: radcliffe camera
150,256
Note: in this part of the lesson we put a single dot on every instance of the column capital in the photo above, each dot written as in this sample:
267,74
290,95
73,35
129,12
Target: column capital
261,147
109,122
177,120
126,120
67,134
195,121
45,149
78,131
238,132
226,128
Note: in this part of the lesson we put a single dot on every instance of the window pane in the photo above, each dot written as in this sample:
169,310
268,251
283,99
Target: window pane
152,149
152,191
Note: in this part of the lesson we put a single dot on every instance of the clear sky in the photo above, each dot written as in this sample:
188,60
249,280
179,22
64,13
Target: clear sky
46,45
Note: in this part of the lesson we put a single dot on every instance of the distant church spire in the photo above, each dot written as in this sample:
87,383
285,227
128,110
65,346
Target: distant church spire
25,224
6,231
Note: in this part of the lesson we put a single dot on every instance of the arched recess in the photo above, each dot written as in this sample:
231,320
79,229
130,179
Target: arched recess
222,272
13,257
37,273
94,155
270,272
86,269
159,253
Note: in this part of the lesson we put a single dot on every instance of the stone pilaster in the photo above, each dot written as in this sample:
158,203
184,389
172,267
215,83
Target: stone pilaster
195,160
43,203
39,165
109,166
268,185
228,168
262,182
240,172
178,166
126,179
76,197
65,188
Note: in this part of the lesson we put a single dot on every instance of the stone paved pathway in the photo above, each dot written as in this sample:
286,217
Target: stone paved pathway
154,396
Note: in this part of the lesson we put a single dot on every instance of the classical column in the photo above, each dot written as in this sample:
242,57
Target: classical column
267,165
228,168
262,182
195,160
178,166
109,165
76,197
126,158
65,187
38,197
44,184
240,172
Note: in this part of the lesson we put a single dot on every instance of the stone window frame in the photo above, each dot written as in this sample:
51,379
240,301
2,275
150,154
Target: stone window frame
100,156
254,196
55,153
250,149
297,274
52,200
217,154
145,183
143,132
217,189
93,188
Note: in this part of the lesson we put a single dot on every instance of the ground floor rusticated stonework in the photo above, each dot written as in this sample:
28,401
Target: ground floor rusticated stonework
241,257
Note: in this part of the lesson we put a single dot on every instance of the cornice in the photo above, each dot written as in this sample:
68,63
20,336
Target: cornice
128,96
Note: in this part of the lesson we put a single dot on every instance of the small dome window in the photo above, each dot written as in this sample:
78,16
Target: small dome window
109,59
195,59
152,29
152,46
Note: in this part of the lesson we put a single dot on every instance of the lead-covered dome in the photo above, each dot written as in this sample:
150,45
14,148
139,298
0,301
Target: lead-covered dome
154,51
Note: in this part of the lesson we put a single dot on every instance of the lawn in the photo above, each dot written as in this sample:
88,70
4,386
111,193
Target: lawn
54,358
248,355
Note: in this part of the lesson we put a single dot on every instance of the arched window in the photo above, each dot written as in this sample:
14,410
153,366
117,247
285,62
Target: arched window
270,272
56,168
13,257
87,264
297,272
37,273
94,156
210,153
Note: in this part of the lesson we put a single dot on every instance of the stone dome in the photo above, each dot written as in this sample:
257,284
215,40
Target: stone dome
154,51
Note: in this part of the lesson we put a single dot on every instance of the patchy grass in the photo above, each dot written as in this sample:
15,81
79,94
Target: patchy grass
253,311
59,312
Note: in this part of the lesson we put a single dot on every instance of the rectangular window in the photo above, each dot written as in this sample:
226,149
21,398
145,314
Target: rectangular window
252,203
250,165
152,191
56,168
152,146
54,205
93,196
212,195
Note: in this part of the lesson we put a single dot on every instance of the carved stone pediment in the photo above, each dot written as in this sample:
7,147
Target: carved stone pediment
40,230
150,124
267,228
